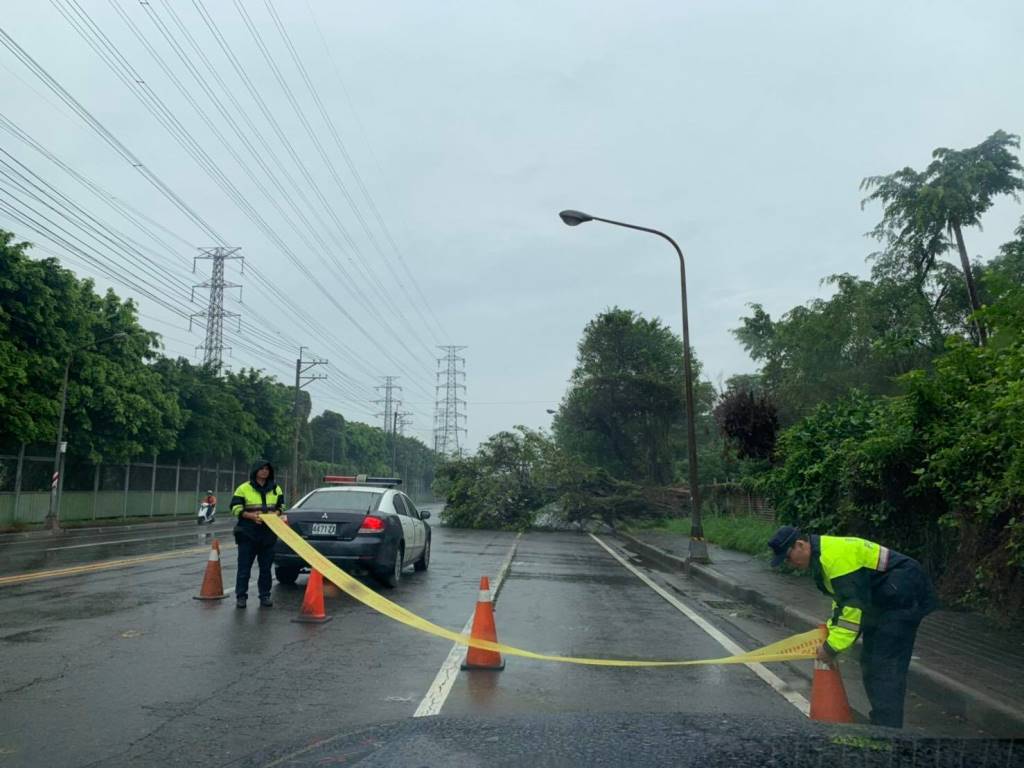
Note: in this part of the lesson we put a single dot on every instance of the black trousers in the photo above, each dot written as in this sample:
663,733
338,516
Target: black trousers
885,658
249,550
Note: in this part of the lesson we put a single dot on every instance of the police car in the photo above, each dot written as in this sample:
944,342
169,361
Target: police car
361,524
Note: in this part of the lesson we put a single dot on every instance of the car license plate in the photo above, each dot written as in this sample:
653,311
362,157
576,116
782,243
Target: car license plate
324,529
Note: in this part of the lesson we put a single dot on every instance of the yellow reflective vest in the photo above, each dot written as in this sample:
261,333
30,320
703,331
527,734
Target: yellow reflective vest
250,498
845,567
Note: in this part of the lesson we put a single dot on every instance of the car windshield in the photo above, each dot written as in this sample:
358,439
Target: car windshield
667,330
341,501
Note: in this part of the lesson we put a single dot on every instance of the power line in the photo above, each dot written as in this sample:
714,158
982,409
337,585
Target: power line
323,250
380,171
33,66
340,144
130,213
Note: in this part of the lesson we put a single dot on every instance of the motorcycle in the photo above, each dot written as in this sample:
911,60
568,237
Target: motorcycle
206,514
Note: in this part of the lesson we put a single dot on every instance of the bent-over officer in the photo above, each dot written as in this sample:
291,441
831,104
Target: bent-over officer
878,594
258,495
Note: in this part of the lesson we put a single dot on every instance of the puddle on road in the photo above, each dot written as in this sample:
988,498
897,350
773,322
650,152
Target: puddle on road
28,636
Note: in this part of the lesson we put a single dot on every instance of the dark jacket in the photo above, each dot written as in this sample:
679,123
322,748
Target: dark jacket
250,496
899,588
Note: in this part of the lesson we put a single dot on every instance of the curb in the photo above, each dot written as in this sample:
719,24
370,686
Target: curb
957,698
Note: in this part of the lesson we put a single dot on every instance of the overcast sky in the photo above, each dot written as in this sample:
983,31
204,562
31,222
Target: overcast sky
741,128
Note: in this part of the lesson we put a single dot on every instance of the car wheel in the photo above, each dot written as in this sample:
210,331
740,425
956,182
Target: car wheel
392,577
424,562
286,574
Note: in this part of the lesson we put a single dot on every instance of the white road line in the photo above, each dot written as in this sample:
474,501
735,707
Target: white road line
145,538
777,684
438,692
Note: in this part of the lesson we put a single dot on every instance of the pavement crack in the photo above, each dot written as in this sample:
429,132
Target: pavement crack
243,674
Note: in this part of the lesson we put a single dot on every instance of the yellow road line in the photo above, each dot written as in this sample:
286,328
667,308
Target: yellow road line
106,565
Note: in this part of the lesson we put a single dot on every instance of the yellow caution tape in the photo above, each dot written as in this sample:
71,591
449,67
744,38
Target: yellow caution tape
795,648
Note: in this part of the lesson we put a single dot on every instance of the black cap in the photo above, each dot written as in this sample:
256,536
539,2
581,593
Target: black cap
781,543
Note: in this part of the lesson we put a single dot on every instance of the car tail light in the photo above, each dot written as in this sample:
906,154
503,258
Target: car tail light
372,524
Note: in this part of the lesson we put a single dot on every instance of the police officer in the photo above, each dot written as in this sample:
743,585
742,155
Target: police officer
877,593
259,495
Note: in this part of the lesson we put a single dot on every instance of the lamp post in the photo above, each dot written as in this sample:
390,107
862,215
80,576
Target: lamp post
53,512
698,547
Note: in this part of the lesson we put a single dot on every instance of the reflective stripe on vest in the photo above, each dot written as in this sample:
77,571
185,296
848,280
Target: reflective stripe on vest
253,500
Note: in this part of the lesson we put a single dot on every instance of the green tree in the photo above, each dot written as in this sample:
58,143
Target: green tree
328,437
623,410
863,336
271,405
502,485
214,423
1002,284
116,406
921,210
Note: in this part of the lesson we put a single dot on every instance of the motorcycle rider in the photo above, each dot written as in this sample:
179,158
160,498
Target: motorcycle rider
211,506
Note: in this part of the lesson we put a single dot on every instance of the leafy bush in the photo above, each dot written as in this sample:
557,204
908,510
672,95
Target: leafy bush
936,472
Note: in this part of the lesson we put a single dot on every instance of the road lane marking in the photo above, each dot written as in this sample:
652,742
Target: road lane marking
438,692
777,683
106,565
134,541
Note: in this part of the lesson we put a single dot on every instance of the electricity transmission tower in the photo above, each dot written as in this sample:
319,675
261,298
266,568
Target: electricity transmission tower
213,346
449,418
390,402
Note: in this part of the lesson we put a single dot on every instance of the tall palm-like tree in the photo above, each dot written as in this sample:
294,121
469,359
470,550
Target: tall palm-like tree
925,212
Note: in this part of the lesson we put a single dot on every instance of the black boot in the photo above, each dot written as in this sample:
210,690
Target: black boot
266,602
239,602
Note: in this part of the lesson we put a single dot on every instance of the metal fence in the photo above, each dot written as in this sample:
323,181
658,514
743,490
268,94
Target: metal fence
104,491
733,500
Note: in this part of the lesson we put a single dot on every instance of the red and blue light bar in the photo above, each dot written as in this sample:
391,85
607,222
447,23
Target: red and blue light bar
387,482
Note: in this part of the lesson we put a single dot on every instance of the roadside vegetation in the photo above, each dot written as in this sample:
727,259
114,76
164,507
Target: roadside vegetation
743,534
127,400
892,409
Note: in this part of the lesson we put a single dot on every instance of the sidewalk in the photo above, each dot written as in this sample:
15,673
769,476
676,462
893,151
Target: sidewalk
84,530
972,665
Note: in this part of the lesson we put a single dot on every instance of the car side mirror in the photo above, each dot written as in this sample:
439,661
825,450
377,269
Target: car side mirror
424,515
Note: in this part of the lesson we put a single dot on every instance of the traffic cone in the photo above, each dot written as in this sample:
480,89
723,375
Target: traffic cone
483,629
312,610
213,584
828,696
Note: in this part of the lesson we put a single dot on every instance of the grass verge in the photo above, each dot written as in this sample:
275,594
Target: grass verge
743,534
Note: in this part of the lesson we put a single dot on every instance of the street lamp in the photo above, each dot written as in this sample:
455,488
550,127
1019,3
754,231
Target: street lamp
53,513
698,547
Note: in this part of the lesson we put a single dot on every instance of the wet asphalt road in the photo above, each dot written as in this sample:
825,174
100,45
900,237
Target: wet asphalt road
122,666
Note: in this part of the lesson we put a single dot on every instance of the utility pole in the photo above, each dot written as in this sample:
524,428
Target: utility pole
449,418
301,380
213,346
401,418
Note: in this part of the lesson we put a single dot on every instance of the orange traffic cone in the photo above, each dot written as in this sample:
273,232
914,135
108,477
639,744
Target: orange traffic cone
483,629
828,696
312,610
213,584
